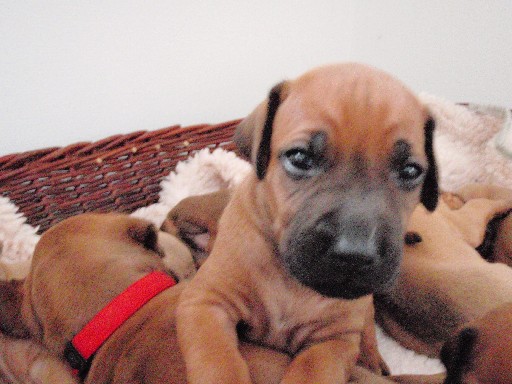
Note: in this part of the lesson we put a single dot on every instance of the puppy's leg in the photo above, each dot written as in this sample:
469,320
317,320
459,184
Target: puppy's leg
370,356
266,365
26,362
209,344
329,362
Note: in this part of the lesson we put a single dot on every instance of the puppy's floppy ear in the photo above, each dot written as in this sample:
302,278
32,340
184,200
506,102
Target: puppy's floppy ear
456,354
253,134
145,234
430,189
248,128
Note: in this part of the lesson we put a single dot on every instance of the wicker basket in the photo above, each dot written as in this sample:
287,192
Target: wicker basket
120,173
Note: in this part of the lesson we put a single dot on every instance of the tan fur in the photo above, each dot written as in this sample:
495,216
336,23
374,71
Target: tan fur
363,113
444,282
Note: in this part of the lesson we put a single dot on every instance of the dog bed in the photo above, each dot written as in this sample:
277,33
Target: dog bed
147,173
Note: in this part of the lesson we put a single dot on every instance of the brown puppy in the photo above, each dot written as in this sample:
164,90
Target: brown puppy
444,282
341,155
78,267
184,219
482,352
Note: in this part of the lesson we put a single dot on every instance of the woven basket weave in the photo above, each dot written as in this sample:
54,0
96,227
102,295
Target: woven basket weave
120,173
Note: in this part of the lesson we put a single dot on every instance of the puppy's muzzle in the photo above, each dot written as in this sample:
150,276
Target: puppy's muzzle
344,252
353,243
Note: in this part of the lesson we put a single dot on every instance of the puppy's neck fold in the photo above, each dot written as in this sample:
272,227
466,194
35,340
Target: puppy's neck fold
251,200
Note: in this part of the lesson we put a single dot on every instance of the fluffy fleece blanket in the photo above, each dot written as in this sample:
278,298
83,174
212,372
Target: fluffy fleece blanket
472,144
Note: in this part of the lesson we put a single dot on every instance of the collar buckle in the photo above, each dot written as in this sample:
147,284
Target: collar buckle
77,362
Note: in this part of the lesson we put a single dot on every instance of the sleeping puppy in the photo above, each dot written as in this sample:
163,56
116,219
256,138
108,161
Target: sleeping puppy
341,156
444,282
86,262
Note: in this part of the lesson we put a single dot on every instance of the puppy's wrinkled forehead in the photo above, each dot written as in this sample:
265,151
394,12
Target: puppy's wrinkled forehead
348,102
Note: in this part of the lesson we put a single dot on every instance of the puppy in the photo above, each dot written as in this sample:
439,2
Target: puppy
85,262
444,282
341,157
197,209
482,351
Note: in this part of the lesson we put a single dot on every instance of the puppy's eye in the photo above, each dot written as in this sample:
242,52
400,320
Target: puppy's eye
299,159
409,175
410,172
299,163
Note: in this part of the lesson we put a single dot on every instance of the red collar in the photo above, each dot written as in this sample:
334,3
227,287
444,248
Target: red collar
80,350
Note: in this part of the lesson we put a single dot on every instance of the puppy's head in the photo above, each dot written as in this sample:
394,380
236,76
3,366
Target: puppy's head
345,153
84,262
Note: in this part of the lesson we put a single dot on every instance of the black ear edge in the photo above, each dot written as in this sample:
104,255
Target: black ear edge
430,190
263,156
457,353
146,235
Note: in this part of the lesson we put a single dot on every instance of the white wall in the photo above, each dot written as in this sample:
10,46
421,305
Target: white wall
459,49
83,70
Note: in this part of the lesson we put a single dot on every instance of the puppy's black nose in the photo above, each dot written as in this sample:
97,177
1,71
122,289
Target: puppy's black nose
354,251
353,243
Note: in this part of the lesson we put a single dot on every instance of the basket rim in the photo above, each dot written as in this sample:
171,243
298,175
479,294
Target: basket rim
15,164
